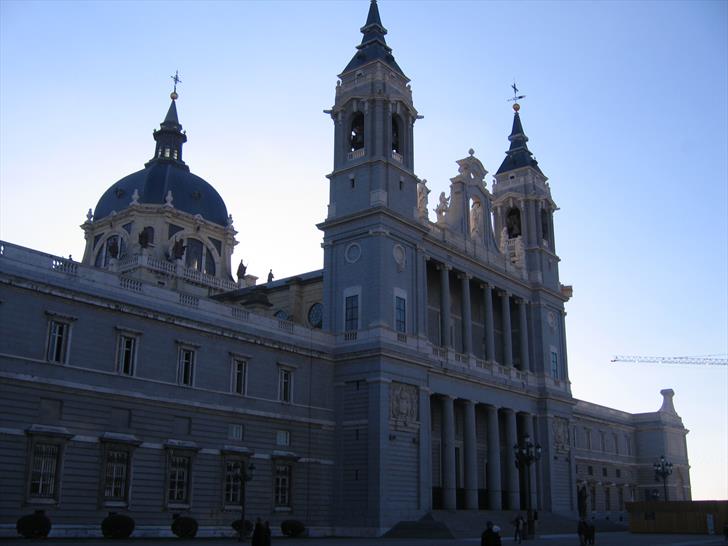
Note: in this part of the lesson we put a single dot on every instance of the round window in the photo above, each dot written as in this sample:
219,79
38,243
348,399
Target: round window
316,315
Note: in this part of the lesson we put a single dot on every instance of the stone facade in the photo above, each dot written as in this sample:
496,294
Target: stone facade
393,382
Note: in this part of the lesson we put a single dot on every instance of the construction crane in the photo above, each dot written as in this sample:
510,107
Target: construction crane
711,360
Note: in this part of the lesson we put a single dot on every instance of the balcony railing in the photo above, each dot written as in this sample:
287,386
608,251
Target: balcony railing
356,154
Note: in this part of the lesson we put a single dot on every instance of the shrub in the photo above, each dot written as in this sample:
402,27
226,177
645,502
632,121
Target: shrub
292,528
248,527
117,526
185,527
36,525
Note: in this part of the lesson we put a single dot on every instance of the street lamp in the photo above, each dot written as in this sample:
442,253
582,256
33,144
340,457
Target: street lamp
663,468
243,476
525,454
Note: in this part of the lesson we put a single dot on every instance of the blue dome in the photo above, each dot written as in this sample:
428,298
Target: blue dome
190,193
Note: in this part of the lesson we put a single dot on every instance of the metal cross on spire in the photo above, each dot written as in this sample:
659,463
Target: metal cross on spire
516,96
176,79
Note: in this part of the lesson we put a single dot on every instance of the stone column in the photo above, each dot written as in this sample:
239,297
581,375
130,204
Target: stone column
448,452
489,328
471,458
539,231
467,318
514,497
378,439
445,305
507,339
421,293
523,326
493,477
425,449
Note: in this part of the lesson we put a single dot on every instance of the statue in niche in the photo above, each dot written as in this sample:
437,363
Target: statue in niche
403,402
503,239
520,251
242,268
178,250
113,247
422,193
476,219
442,207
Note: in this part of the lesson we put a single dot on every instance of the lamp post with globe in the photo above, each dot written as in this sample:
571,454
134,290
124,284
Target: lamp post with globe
663,468
243,476
526,453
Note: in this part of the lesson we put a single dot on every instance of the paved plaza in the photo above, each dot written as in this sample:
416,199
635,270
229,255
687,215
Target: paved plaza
604,539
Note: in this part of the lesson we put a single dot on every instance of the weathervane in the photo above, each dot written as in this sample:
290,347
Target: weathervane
516,97
176,80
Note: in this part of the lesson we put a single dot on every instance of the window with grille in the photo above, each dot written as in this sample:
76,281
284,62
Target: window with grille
58,338
179,479
554,365
400,314
233,490
116,478
126,354
285,384
282,493
186,366
239,368
44,470
351,313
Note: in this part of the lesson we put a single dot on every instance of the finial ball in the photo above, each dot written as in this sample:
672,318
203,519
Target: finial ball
516,106
173,95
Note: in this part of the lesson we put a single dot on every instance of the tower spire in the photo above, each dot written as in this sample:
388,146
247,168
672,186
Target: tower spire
170,137
518,154
373,45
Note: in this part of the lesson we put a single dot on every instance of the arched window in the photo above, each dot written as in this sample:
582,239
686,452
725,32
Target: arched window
199,257
113,247
356,134
513,222
396,144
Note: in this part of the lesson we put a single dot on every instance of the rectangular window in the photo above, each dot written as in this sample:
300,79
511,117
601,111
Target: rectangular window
116,477
618,473
620,499
44,471
400,314
607,499
593,499
126,355
602,441
186,370
554,365
351,313
179,479
285,385
282,493
233,469
587,434
238,376
628,445
590,470
58,338
616,443
235,432
283,438
604,472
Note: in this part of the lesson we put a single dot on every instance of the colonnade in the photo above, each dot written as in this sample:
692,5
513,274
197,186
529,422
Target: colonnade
505,427
505,298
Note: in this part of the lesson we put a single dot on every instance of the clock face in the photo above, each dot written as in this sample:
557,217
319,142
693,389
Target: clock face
315,315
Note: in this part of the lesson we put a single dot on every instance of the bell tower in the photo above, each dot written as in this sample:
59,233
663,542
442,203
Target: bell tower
523,210
373,118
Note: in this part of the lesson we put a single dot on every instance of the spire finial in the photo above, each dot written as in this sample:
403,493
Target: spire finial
516,97
173,95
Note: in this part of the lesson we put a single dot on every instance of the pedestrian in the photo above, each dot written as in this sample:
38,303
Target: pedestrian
582,529
591,532
267,534
258,538
518,524
490,536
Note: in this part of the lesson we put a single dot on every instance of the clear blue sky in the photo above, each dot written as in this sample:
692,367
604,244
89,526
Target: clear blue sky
626,111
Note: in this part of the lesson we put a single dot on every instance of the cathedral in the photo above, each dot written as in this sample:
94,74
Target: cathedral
422,371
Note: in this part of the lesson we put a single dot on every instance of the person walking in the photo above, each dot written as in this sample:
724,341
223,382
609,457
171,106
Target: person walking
518,523
258,538
267,534
582,529
490,536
